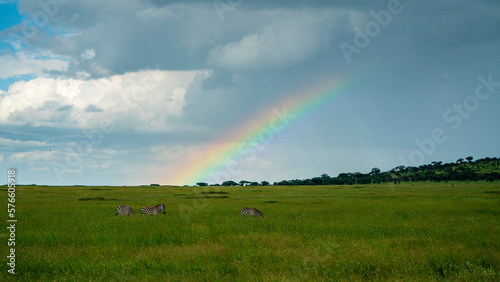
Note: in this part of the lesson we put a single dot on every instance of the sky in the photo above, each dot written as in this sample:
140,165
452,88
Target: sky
134,92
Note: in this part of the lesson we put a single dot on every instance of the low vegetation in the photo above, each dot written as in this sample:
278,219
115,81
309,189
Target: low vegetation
467,169
410,231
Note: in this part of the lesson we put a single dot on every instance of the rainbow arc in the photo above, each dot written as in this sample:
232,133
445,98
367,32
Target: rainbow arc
226,155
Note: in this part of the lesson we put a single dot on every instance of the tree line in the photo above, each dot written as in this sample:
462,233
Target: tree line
462,170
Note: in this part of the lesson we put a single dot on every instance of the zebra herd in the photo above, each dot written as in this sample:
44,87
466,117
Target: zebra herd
126,210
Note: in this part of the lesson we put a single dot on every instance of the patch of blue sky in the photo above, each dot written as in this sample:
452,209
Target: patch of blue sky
5,47
9,15
5,83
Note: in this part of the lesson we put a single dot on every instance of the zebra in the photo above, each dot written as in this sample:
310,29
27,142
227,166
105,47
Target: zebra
153,210
251,212
124,210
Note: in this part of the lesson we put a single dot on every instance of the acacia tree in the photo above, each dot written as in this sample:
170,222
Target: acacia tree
244,183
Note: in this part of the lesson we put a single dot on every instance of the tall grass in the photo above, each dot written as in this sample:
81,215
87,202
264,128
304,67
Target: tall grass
417,231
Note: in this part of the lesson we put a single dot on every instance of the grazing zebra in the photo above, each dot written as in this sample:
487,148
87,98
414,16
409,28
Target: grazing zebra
251,212
153,210
124,210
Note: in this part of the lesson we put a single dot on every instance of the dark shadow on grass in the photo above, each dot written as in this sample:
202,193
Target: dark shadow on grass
100,189
206,197
98,199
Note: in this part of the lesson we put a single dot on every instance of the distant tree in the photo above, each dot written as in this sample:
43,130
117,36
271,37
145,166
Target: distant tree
400,168
303,182
317,181
358,177
325,179
437,165
229,183
343,176
412,169
282,183
244,183
365,180
202,184
481,169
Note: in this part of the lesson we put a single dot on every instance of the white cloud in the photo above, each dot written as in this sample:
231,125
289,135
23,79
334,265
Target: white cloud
1,158
168,154
82,75
31,156
4,142
100,165
357,19
156,13
147,99
286,42
88,54
24,63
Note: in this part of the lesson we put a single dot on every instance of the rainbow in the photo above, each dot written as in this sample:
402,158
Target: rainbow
226,156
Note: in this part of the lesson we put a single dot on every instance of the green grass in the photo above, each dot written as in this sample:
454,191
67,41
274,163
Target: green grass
413,231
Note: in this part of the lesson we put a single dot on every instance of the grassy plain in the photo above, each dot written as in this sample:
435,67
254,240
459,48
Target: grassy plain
409,231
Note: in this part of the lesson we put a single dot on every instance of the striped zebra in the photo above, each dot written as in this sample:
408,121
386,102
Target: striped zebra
124,210
251,212
154,210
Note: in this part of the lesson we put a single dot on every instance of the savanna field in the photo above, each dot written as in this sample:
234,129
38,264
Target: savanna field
409,231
